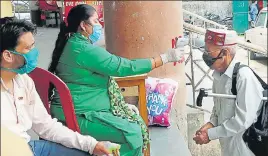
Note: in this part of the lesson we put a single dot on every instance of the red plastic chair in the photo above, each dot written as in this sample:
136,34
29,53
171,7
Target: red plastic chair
42,78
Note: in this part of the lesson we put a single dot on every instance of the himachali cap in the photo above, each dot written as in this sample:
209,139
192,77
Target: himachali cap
221,37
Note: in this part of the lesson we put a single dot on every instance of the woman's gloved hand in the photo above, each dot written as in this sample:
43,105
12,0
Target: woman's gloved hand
177,54
172,55
134,108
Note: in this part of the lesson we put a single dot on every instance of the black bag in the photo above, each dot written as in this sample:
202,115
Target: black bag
256,136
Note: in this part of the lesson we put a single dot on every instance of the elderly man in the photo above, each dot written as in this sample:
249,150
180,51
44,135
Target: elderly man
230,118
21,107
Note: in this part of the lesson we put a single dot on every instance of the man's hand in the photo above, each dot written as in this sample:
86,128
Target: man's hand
134,108
100,149
201,135
201,138
204,127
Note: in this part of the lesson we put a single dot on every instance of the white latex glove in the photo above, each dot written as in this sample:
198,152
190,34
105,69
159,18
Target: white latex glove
177,54
134,108
172,55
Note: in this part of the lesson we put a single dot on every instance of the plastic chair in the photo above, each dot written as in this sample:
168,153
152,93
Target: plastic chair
42,78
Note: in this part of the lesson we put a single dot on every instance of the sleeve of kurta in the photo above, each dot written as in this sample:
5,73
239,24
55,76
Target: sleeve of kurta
248,102
214,116
99,60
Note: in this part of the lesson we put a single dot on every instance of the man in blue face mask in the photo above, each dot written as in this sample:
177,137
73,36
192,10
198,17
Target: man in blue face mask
19,57
230,118
21,106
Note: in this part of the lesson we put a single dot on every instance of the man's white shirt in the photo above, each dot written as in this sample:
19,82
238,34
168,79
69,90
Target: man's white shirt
231,117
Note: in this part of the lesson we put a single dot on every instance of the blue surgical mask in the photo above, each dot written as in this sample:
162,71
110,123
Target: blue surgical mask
95,36
30,62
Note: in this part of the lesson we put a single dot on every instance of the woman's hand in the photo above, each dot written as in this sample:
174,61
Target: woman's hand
177,54
134,108
100,149
172,55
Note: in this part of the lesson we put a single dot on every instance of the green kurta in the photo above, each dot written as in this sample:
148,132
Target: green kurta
85,69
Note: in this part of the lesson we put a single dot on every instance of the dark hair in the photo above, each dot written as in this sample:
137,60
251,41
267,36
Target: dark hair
76,15
10,31
5,20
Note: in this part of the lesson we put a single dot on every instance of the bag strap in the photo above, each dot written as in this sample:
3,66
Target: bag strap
234,78
236,68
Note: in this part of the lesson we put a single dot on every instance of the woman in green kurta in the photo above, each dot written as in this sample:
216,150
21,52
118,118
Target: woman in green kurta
87,70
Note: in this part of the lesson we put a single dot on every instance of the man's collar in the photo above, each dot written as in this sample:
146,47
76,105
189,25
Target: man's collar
19,81
230,69
216,75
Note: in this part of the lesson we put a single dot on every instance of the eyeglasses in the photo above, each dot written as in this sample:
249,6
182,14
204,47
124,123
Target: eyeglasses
218,56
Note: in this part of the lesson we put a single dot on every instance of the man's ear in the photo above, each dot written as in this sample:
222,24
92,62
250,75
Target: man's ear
227,55
7,56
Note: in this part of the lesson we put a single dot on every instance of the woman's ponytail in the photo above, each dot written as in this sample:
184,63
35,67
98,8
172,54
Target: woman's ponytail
57,52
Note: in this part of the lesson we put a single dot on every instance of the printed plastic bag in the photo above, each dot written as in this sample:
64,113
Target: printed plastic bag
160,94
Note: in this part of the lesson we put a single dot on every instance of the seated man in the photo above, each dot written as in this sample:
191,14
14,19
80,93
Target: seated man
21,107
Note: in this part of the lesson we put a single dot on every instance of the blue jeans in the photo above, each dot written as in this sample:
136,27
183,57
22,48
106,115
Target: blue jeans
47,148
253,17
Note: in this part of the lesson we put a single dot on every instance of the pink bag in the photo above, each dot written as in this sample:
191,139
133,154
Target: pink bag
160,94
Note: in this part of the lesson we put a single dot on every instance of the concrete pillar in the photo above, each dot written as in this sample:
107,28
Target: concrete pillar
144,29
